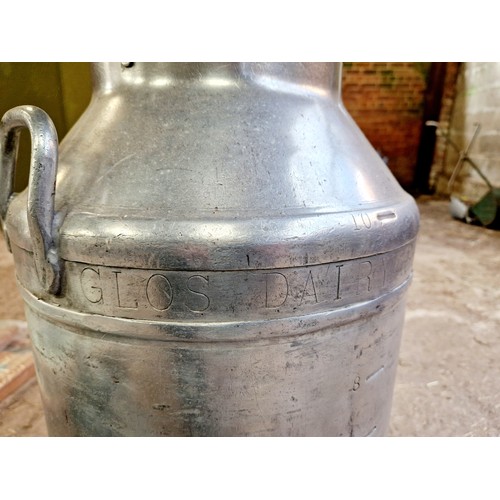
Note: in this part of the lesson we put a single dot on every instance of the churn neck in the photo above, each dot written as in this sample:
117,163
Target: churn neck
323,77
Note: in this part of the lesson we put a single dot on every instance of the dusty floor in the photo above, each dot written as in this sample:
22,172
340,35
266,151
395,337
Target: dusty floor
448,381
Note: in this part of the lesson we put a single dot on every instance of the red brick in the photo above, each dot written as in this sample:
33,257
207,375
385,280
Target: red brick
386,100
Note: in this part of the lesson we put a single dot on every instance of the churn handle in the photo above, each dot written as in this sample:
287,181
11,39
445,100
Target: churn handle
41,187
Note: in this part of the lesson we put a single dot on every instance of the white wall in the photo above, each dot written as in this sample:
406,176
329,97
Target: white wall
477,100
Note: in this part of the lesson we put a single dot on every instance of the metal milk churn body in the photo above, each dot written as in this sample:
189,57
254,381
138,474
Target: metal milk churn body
218,251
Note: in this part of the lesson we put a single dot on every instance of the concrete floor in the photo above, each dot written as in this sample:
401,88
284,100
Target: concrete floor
448,381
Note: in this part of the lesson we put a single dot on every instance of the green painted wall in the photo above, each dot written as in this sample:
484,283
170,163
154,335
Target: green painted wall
63,90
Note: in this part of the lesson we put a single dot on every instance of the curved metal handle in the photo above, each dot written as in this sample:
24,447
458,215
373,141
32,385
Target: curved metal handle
41,188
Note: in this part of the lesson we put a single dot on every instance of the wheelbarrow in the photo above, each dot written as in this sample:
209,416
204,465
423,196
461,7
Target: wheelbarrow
485,211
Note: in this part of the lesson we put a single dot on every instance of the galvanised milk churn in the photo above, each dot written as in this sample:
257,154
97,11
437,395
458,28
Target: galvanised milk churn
213,250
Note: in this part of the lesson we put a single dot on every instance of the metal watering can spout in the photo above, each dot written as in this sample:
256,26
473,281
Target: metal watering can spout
41,188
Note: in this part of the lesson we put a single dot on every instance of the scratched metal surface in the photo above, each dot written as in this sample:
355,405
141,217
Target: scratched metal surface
234,256
447,380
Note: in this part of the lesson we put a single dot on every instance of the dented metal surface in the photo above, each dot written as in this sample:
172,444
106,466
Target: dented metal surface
234,259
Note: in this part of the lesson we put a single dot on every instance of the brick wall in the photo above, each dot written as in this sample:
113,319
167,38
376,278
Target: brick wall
386,100
438,174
